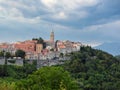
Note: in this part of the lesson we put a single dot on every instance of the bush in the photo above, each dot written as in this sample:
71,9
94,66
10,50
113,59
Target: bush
12,61
48,78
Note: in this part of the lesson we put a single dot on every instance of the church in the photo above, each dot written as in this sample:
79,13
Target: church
40,49
50,44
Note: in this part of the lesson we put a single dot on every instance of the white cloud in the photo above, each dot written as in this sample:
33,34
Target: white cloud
69,4
55,9
12,12
68,9
16,15
25,20
93,44
9,12
49,3
60,15
16,4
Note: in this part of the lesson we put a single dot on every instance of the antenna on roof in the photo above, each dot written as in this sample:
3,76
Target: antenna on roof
52,26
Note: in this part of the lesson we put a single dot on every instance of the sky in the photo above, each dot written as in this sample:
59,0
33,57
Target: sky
87,21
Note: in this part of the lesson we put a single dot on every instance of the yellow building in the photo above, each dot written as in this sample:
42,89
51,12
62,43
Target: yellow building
39,48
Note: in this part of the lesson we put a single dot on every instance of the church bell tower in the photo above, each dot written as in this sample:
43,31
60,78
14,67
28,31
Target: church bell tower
52,36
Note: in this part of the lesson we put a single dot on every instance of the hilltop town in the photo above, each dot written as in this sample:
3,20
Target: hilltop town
40,49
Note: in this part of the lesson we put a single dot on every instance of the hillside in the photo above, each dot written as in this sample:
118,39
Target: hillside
94,69
88,69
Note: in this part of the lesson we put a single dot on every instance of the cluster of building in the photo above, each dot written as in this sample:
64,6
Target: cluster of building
35,50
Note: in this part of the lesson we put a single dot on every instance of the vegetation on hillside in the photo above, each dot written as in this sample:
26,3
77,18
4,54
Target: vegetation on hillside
88,69
118,57
17,72
11,74
48,78
94,69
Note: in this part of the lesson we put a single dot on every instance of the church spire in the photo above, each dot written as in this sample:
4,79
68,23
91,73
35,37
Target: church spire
52,36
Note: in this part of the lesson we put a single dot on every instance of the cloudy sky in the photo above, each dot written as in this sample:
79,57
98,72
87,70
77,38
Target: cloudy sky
90,21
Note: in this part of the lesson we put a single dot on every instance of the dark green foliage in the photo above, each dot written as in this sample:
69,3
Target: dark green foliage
118,57
3,70
94,69
1,54
51,49
29,68
17,72
8,55
40,40
11,61
20,53
35,39
61,55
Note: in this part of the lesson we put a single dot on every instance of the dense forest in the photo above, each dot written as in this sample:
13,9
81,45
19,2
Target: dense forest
88,69
94,69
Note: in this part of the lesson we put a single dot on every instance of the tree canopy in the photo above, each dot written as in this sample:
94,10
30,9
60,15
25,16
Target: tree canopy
20,53
94,69
48,78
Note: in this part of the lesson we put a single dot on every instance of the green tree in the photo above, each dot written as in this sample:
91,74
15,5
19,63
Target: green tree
20,53
61,55
1,54
48,78
40,40
51,49
118,57
8,55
